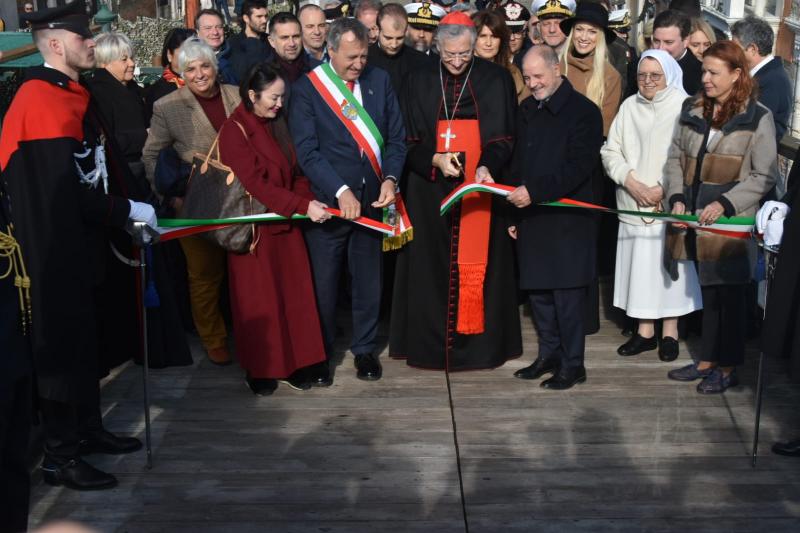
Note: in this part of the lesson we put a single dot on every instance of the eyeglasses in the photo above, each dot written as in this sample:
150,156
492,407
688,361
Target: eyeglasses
217,27
451,56
655,78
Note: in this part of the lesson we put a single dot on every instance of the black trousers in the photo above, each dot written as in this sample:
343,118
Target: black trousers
559,316
724,324
65,424
15,429
330,246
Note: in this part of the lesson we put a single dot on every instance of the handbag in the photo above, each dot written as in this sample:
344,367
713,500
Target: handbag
214,192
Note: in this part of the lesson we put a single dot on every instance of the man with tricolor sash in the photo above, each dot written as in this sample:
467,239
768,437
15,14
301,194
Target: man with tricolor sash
349,136
454,305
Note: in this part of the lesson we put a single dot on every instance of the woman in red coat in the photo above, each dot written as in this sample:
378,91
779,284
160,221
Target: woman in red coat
275,320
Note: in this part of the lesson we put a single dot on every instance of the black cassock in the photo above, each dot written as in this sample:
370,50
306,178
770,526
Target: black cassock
425,289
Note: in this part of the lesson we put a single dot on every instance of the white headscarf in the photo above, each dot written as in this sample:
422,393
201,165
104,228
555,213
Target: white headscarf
672,70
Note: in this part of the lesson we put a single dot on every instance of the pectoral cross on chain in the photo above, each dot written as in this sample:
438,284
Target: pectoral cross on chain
447,135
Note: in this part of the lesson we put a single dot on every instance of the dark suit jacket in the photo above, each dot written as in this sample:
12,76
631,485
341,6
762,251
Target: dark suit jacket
557,155
775,92
326,151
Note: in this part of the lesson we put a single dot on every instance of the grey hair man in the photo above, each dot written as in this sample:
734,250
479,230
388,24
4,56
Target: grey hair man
339,113
756,37
559,135
460,118
366,12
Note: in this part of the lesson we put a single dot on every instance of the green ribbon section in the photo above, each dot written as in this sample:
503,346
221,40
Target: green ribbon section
184,222
743,221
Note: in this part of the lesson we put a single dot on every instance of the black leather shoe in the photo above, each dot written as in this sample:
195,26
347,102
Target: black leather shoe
261,386
369,369
789,449
76,474
668,349
539,368
565,378
297,381
106,442
629,327
319,375
637,345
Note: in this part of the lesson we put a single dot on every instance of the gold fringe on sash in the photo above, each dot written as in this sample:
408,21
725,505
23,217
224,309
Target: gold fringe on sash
10,249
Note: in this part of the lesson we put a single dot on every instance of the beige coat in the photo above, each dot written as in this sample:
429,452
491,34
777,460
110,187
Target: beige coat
579,71
179,121
738,170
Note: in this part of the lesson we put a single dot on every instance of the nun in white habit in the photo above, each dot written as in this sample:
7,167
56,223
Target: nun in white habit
634,157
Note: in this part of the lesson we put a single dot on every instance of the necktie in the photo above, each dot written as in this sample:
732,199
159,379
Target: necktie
351,85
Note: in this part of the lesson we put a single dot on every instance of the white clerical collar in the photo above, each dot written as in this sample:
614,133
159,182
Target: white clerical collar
685,50
761,64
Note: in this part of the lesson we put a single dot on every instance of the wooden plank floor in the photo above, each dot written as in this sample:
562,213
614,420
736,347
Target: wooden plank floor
627,451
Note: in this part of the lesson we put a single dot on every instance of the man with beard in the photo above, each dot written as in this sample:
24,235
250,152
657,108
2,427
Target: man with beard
314,30
56,172
454,304
251,46
390,52
423,19
286,40
366,13
550,14
559,133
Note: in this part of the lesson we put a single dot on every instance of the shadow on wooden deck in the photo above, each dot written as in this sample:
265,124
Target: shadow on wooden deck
627,451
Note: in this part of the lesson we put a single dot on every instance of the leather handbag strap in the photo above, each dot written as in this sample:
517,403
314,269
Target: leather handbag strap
214,149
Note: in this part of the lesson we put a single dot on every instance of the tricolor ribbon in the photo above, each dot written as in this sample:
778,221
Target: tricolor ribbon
175,228
737,227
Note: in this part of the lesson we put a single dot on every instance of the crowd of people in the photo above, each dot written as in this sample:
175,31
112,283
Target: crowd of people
316,110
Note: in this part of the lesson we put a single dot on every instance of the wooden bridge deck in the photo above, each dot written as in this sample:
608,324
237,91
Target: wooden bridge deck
627,451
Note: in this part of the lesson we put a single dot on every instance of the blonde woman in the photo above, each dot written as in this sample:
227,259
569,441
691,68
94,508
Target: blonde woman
584,60
701,37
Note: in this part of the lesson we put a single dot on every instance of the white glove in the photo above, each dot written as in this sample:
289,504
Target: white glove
142,212
771,210
773,233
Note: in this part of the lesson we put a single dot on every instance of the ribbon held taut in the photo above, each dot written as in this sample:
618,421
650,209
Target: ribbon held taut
736,227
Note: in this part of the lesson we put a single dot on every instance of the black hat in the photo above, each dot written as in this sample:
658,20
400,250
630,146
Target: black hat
71,17
594,14
516,16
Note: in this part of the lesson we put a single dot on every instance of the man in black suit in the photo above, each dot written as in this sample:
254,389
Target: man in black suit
755,36
671,30
559,134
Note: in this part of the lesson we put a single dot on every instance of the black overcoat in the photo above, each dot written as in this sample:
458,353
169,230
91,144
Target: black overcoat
123,110
557,154
781,329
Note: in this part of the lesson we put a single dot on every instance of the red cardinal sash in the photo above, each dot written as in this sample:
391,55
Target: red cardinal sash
473,234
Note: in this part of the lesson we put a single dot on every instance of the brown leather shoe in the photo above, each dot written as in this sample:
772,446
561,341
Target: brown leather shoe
219,356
